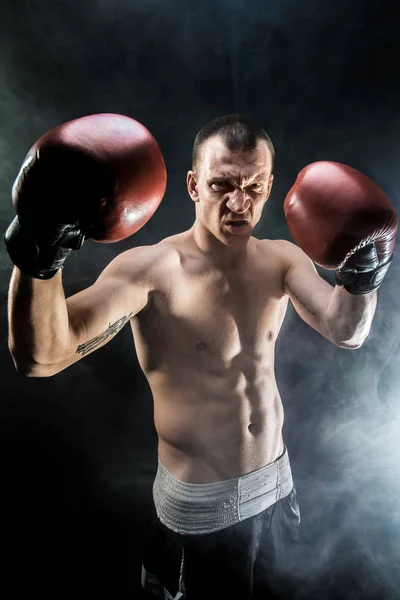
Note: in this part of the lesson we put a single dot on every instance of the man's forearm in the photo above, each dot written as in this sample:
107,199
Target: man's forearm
350,317
37,318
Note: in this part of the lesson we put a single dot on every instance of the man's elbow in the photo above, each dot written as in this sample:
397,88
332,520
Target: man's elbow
348,345
29,368
351,346
348,342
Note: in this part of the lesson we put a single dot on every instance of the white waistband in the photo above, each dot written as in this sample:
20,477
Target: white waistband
191,508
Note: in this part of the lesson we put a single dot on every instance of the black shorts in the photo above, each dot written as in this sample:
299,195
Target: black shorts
249,560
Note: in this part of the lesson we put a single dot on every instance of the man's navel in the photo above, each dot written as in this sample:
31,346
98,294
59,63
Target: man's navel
201,345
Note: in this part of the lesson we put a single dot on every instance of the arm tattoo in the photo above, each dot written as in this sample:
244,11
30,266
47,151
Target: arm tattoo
299,301
112,329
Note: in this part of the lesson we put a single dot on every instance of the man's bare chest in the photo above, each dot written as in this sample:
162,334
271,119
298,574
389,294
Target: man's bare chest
216,313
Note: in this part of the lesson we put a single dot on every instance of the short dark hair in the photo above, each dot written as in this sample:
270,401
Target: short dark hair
239,133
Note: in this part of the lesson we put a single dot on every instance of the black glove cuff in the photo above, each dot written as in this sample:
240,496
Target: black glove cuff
359,283
37,257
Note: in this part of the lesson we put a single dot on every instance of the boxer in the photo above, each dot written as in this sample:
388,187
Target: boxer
206,307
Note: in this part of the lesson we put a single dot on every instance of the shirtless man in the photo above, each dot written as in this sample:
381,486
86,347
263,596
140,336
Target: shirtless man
206,307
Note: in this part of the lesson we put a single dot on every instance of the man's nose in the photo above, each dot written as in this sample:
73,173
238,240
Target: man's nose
238,202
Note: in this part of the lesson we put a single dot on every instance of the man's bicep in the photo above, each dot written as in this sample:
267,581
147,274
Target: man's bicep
95,317
309,293
99,312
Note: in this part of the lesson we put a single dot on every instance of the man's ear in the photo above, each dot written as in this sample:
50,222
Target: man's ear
191,183
270,182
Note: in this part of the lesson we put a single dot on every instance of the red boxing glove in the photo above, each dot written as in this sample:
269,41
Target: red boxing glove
344,221
101,176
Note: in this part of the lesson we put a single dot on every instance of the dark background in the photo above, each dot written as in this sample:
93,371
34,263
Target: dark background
78,450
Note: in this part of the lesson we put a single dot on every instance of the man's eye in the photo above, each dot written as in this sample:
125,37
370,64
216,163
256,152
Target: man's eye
256,185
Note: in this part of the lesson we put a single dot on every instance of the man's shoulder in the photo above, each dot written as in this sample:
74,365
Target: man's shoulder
278,246
277,243
281,252
151,262
163,249
290,250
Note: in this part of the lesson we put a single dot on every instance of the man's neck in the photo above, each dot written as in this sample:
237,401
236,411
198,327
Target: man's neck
220,255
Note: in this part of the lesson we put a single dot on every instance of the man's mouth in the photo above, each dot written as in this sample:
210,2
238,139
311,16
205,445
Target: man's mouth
237,223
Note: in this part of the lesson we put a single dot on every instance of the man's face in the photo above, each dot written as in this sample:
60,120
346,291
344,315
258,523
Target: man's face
230,189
